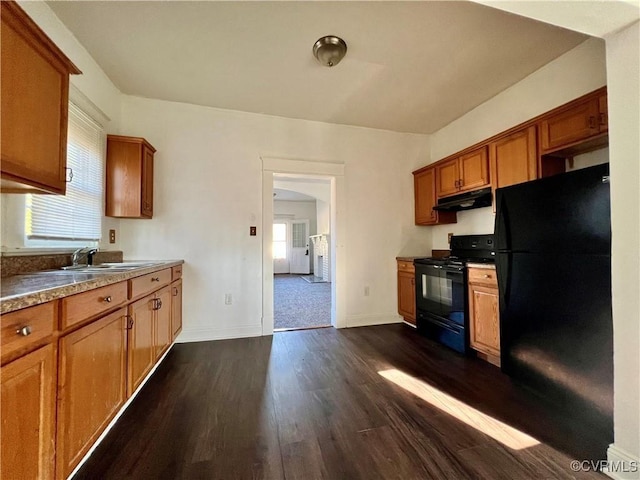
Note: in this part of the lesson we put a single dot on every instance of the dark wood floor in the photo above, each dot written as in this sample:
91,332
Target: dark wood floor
312,404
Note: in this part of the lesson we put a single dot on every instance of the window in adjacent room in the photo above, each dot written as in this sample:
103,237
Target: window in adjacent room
76,218
279,241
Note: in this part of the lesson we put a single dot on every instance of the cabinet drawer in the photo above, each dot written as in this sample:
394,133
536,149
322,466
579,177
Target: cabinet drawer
404,266
25,329
485,276
149,283
176,273
82,306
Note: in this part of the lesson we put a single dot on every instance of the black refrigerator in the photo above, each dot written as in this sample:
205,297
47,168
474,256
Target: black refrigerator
553,263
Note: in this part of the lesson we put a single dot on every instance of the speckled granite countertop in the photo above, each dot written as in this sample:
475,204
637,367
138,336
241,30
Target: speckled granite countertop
488,266
20,291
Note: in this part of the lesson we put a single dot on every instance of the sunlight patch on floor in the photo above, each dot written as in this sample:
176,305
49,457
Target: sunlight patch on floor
503,433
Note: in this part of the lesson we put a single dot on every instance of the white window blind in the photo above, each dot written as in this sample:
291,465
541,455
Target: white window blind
78,214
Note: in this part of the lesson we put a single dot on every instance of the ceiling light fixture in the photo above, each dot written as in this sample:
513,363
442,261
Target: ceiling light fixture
329,50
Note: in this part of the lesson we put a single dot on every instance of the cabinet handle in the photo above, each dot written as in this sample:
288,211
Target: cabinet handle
155,279
413,281
487,276
129,322
24,331
175,291
592,122
107,299
159,304
603,119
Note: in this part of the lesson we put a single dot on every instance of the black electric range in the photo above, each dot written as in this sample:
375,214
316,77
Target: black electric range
441,290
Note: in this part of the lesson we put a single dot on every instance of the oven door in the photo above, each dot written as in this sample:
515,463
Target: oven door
440,291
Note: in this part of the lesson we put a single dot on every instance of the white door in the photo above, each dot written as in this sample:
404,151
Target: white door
300,258
280,246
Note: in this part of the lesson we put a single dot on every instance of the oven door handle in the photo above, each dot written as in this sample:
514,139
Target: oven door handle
443,325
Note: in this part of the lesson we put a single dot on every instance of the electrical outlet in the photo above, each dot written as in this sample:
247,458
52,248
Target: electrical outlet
228,299
112,236
252,231
449,235
366,291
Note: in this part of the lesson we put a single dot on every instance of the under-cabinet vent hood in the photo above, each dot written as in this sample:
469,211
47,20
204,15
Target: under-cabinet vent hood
465,201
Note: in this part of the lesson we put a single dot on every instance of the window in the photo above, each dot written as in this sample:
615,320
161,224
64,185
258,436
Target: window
279,240
76,218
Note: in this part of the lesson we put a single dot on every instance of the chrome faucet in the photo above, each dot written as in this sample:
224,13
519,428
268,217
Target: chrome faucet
89,252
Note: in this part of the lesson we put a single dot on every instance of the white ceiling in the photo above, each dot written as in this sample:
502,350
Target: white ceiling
410,66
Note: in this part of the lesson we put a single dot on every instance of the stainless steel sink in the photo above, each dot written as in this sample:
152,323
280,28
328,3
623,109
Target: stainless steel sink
103,267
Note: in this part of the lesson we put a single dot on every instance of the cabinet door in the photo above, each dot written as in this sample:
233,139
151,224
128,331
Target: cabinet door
163,334
474,170
140,342
35,87
424,189
514,158
28,404
569,126
603,109
485,321
407,296
176,308
447,178
91,386
147,182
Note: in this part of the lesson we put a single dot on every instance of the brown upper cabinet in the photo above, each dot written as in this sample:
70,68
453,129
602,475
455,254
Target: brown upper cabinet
574,123
35,105
514,158
129,184
424,184
467,172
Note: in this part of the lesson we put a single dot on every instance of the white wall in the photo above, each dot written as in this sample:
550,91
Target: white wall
93,84
589,159
623,77
208,178
577,72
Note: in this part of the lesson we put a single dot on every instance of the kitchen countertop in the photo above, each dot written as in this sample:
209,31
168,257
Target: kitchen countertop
488,266
29,289
410,259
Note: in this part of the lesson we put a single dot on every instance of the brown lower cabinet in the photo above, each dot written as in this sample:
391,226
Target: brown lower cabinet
91,385
28,405
62,384
176,307
150,334
407,291
484,324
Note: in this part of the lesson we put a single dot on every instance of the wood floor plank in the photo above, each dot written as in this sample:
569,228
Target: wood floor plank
330,404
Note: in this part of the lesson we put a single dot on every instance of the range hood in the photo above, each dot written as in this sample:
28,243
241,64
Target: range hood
465,201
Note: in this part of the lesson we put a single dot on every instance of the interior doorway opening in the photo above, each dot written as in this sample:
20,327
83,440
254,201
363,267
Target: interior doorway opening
301,252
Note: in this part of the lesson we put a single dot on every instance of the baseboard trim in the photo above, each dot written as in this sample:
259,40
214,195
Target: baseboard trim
368,320
622,465
208,334
119,414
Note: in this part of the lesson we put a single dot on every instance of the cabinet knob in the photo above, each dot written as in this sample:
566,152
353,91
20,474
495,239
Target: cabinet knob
487,276
107,299
24,331
155,279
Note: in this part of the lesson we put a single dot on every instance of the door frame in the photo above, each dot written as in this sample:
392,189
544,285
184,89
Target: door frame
334,172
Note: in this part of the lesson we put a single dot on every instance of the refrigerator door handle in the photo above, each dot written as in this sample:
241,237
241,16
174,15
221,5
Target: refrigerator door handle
503,272
501,228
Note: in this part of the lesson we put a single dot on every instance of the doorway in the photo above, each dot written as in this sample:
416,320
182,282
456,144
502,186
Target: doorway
302,287
300,171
